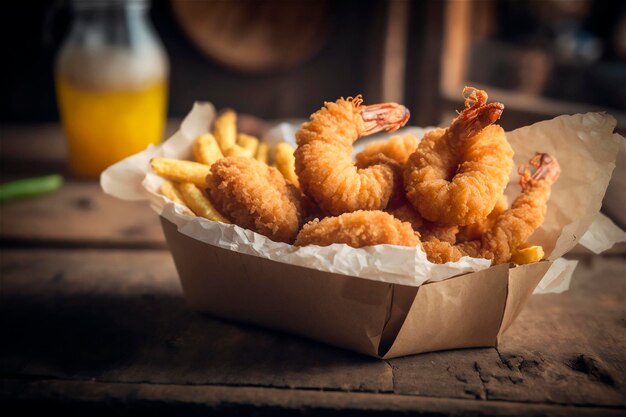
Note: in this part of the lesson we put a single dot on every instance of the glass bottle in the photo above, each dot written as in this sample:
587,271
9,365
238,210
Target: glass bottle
111,82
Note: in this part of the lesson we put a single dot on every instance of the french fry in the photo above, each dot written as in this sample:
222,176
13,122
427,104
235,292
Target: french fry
286,162
206,150
169,190
225,129
528,255
181,171
237,150
248,142
262,152
198,202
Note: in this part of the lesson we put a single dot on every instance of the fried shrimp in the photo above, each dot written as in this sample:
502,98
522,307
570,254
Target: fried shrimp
513,227
405,212
255,196
457,174
358,229
395,152
476,230
398,148
440,252
324,155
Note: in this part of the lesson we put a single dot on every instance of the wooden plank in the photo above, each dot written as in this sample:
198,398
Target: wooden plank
567,348
96,398
119,316
41,142
79,214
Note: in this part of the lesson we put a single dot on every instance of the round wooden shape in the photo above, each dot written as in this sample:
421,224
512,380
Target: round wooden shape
252,36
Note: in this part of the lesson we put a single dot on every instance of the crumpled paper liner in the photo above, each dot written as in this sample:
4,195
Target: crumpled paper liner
583,144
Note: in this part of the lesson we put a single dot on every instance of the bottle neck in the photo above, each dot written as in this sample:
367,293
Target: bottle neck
111,23
112,46
82,5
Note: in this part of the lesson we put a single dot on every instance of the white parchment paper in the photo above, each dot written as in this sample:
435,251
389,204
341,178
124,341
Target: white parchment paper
588,135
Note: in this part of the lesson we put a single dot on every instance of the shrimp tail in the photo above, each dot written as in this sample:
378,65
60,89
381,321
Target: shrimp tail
477,115
383,116
545,167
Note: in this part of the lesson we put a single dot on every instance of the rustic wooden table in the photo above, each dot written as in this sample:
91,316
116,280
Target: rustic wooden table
93,322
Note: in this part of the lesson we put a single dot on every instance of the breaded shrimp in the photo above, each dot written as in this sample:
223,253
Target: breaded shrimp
434,231
398,148
440,252
405,212
395,153
392,153
324,163
476,230
513,227
255,196
457,174
358,229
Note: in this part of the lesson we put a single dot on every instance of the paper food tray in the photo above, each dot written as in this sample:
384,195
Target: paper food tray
375,318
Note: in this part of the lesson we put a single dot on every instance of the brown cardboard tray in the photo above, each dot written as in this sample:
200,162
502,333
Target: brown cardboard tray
375,318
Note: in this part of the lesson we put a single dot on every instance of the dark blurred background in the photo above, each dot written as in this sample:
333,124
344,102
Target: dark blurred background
541,58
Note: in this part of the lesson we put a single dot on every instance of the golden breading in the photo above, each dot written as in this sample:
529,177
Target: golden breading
398,148
457,175
358,229
256,197
324,163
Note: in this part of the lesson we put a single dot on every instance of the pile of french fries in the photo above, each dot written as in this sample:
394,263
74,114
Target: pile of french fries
186,180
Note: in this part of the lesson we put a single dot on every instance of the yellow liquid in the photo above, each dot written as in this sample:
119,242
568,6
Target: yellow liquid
103,127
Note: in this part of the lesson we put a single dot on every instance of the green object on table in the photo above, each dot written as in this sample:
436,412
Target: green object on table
30,187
